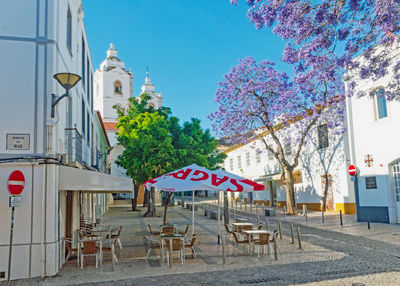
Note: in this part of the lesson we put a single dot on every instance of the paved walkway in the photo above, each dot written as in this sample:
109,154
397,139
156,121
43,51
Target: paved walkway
330,255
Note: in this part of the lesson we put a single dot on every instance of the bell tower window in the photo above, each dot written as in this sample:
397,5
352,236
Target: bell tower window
117,87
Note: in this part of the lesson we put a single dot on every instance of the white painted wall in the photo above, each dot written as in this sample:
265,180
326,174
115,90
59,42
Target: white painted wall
313,161
379,138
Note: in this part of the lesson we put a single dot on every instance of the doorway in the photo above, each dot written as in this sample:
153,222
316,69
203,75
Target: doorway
396,187
68,216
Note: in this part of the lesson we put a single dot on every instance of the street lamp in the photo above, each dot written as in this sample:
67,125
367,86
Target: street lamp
67,81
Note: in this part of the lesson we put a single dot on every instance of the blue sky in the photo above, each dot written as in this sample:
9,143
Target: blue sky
188,45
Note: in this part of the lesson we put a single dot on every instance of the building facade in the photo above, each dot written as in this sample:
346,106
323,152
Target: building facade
374,150
323,156
62,157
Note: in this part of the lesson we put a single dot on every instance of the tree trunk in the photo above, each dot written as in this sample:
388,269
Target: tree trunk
146,199
325,192
226,209
169,194
135,194
290,207
151,209
183,199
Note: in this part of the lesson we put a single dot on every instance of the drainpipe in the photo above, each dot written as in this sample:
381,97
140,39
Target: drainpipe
43,241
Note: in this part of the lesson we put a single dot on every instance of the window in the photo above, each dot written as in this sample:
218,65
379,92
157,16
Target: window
87,82
69,30
323,141
370,183
248,158
239,161
117,87
83,63
381,103
258,156
83,117
231,163
88,129
288,149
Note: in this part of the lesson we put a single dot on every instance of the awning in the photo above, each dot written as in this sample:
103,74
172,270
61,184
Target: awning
277,177
74,179
270,177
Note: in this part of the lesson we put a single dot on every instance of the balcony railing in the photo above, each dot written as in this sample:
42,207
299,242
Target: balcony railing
73,145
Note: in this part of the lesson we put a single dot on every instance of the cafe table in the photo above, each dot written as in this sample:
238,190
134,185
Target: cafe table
170,237
237,226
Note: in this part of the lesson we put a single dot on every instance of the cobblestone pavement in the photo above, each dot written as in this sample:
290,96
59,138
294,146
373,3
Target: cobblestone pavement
330,255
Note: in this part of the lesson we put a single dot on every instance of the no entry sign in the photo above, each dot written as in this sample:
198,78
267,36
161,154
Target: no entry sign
352,170
16,183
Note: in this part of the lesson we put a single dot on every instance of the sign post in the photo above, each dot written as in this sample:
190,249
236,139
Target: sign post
15,184
353,174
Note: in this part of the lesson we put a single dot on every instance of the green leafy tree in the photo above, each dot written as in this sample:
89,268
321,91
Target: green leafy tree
148,152
155,143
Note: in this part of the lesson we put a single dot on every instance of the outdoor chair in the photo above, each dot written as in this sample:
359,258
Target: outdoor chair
177,246
71,250
152,243
111,241
229,233
115,234
185,232
260,226
191,245
262,241
245,227
271,239
167,229
153,232
244,241
89,248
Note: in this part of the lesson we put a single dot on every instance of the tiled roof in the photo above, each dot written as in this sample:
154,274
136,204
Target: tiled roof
110,125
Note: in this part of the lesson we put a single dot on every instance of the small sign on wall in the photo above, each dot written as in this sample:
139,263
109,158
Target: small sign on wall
370,182
18,141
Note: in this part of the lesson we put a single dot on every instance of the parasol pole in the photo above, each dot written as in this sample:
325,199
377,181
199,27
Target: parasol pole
219,215
193,213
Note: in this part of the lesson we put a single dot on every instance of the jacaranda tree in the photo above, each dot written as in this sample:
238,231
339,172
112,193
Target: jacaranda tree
254,97
353,35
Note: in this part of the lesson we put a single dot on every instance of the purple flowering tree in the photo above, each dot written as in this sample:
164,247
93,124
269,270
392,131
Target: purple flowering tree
356,35
255,100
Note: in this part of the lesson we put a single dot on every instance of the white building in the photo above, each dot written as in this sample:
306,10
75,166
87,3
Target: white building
113,86
322,156
374,150
61,157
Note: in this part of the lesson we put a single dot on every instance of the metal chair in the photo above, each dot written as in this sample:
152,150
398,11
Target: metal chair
262,241
191,245
151,231
244,242
71,250
89,248
177,246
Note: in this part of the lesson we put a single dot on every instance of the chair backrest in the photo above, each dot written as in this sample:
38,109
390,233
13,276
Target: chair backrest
176,244
89,247
263,238
247,227
187,228
151,232
167,229
260,226
193,240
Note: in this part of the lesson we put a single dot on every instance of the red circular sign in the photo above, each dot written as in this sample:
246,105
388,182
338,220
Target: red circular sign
16,183
352,170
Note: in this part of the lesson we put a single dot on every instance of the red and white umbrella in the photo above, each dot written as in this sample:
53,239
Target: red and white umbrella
194,177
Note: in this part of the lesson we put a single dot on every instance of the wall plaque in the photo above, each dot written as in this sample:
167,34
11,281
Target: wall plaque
18,141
